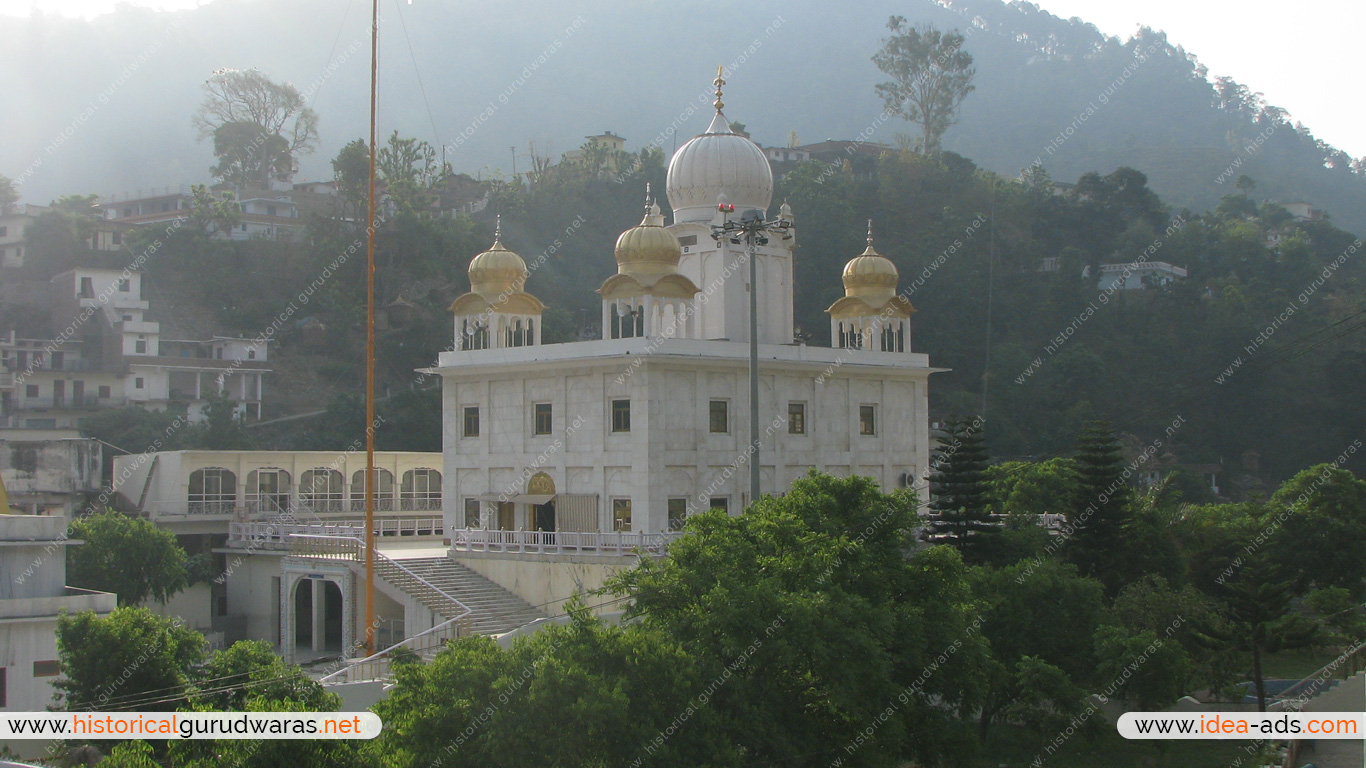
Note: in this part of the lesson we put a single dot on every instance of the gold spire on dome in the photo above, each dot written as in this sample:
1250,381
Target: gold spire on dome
648,249
870,275
497,270
718,82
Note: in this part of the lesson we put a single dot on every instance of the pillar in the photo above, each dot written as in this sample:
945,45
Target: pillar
319,617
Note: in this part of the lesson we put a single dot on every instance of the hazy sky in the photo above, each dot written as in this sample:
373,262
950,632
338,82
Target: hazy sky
1303,56
1299,54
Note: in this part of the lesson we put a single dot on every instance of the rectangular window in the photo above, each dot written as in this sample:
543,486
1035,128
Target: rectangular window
542,425
31,390
104,391
678,514
471,421
721,502
125,285
621,415
47,668
796,418
472,513
688,240
4,231
867,420
621,514
117,238
137,383
140,346
719,416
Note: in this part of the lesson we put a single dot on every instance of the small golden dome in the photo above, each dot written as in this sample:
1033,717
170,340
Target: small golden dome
870,275
649,248
497,270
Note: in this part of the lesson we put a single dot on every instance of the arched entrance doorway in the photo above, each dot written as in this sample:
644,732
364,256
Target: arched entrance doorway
318,616
541,513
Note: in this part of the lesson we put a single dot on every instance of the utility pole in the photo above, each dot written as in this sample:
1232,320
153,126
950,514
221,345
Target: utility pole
753,231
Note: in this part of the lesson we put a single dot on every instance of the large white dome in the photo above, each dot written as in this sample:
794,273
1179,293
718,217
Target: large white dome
718,162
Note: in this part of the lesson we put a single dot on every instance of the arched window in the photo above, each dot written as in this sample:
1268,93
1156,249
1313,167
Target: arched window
421,490
213,491
267,490
322,490
384,490
473,334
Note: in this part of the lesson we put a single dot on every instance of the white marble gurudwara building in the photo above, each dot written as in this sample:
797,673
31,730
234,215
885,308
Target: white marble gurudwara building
649,424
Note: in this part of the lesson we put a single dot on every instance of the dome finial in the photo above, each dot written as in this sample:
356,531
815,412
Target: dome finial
870,233
498,231
718,82
647,198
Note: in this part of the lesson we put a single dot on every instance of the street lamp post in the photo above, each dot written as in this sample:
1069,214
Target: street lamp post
752,230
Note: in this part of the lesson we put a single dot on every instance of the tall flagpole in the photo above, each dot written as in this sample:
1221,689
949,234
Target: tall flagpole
370,348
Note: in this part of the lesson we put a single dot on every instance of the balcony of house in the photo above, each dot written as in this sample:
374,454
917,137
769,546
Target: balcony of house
68,403
72,601
138,326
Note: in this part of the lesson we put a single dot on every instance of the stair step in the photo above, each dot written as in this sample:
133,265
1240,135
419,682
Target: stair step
493,609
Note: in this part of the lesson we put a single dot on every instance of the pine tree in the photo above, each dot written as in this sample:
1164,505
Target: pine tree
1100,506
958,492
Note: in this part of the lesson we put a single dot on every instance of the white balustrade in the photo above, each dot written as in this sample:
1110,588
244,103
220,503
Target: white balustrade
561,542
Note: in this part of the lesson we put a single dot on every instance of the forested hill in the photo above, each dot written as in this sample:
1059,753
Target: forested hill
104,106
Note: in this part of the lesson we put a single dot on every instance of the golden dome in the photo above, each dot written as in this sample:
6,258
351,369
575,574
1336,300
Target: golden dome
648,249
497,270
870,275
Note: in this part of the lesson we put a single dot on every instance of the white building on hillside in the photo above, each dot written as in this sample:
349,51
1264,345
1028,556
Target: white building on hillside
33,593
105,352
637,430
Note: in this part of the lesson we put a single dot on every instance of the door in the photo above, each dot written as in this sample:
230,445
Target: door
545,516
507,516
78,393
58,393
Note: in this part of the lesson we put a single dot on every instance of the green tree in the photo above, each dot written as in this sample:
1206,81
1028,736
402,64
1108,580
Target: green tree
131,754
131,660
125,555
820,576
250,669
1041,612
931,75
1146,668
9,193
212,213
959,492
1322,507
222,429
1031,488
259,127
247,156
409,171
613,692
1256,595
1100,507
249,677
351,170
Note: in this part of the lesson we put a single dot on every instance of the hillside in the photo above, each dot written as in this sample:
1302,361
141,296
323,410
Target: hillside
546,74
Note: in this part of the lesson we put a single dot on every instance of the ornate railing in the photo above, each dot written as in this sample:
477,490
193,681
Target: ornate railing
276,534
352,549
561,542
